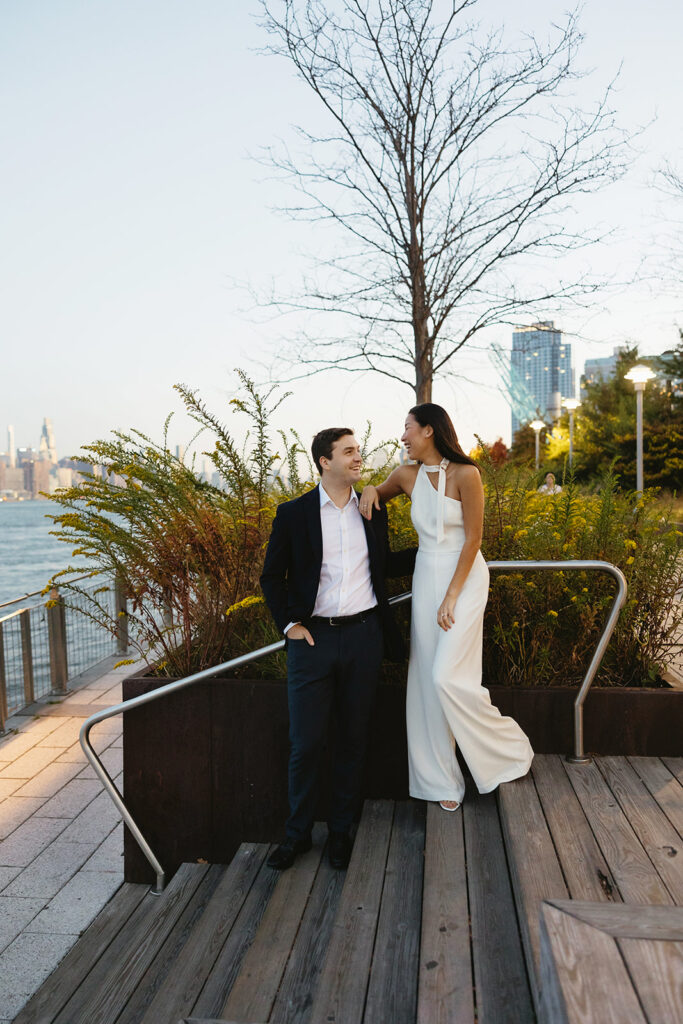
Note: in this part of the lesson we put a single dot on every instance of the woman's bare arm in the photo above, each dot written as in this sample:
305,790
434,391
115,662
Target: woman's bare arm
399,481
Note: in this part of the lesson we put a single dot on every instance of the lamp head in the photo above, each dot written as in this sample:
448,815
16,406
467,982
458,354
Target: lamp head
639,374
537,425
571,403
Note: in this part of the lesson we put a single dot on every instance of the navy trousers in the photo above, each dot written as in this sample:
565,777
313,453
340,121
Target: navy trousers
332,684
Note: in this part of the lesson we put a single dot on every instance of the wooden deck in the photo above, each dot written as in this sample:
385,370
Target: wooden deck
478,916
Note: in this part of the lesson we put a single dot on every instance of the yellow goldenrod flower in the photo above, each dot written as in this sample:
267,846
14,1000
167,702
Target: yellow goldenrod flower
553,613
629,560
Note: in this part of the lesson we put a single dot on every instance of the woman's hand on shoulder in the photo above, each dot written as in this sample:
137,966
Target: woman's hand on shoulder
399,481
369,499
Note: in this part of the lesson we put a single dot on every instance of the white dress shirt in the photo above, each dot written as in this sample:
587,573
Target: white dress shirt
345,585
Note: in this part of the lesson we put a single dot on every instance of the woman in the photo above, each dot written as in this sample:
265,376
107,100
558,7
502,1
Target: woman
446,703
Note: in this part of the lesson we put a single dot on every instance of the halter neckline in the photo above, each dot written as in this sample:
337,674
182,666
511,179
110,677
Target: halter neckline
441,492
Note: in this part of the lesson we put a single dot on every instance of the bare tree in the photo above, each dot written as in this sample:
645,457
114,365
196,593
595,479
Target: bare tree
449,160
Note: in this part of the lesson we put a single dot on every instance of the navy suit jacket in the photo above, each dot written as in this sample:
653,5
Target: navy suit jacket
291,571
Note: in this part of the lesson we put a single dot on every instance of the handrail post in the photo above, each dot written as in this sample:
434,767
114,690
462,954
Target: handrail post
56,630
27,656
3,681
121,609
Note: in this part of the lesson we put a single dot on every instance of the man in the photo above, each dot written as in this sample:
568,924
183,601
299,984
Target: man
323,580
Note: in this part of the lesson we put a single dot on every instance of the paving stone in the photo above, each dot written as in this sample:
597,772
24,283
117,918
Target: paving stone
25,965
64,735
111,696
6,876
73,753
29,732
50,780
71,799
111,758
8,786
94,823
75,906
16,912
29,763
16,809
109,855
51,870
27,841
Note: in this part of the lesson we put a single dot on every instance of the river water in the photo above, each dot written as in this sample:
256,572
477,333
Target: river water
29,555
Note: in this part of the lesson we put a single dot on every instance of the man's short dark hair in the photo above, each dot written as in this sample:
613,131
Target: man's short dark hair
323,442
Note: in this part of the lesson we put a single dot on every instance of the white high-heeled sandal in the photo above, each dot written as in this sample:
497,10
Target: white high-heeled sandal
450,809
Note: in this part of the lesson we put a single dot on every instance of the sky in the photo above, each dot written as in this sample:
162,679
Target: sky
133,206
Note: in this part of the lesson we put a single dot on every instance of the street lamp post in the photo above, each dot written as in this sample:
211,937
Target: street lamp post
639,376
537,426
571,405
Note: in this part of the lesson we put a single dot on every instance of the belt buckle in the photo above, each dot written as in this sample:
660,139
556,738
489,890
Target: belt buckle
334,620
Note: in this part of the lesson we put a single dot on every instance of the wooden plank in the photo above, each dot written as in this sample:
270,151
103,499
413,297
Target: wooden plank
107,988
656,969
632,869
585,870
654,830
392,989
255,988
502,987
344,977
160,974
627,920
675,766
665,788
583,976
66,978
534,868
226,966
445,979
294,1000
199,953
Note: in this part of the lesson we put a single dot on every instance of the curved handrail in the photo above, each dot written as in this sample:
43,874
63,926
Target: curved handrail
578,757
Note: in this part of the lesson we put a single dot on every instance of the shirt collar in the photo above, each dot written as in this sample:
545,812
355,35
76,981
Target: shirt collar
325,498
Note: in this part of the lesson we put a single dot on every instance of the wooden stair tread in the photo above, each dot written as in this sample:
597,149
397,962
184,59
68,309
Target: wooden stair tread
445,972
343,981
56,991
255,988
500,974
109,985
198,955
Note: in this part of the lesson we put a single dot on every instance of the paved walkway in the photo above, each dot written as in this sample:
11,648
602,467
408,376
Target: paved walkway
61,839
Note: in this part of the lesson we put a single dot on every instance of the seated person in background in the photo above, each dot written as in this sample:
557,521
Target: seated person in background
549,487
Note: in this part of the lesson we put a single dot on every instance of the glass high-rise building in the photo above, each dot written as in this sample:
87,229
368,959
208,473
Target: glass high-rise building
541,362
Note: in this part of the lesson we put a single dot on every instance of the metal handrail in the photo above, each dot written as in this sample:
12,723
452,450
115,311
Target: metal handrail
39,593
578,757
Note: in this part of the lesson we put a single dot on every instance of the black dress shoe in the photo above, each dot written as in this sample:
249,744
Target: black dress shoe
286,853
339,849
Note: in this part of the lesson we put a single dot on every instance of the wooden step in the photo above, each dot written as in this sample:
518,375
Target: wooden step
103,994
534,868
343,981
607,964
256,986
56,991
196,959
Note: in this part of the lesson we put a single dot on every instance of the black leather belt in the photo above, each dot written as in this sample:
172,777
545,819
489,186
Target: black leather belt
344,620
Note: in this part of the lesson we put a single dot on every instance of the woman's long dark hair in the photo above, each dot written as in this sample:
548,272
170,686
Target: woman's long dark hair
445,438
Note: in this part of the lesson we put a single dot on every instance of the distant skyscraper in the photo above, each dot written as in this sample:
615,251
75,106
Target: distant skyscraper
603,368
10,448
48,449
543,361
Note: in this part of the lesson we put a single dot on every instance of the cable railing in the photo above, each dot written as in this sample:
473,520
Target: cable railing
578,756
45,644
